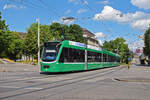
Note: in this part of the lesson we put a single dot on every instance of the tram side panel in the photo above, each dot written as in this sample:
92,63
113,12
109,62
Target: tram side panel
71,59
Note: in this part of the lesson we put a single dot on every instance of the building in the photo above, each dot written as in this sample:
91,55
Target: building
21,34
92,40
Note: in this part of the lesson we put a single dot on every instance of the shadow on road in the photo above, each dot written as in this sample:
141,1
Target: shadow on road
72,72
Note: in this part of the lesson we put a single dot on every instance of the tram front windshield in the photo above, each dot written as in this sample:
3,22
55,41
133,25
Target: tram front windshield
50,52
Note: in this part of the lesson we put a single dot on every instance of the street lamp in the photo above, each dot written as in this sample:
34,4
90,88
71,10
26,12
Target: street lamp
38,21
86,66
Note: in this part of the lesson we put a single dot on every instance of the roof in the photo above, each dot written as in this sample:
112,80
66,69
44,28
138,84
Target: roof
90,34
21,34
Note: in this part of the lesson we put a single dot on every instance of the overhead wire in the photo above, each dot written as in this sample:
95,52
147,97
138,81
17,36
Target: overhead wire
90,8
86,4
35,6
49,8
25,3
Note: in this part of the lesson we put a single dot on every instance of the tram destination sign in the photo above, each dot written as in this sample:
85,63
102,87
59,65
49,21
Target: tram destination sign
77,44
95,48
84,46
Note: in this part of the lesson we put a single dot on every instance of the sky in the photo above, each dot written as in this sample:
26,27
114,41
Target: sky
107,19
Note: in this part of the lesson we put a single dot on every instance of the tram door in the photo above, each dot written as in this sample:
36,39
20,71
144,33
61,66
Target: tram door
86,65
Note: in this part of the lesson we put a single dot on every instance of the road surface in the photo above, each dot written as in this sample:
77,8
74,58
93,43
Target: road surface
117,83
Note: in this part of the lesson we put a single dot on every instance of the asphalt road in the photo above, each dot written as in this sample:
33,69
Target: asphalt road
24,82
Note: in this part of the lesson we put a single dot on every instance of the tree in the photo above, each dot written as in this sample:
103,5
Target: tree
50,32
3,26
4,37
118,46
75,33
147,42
30,42
15,46
56,29
10,44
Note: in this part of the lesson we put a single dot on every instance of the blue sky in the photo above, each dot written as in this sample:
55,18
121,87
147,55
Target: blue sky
108,19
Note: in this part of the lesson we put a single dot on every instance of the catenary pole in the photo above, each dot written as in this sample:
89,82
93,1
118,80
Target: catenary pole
38,21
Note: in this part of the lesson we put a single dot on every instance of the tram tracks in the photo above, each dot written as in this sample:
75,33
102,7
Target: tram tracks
60,83
26,79
18,75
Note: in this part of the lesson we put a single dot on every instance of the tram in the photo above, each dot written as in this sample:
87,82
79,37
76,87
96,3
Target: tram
66,56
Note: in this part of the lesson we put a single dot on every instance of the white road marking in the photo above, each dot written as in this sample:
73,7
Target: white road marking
13,87
9,87
34,88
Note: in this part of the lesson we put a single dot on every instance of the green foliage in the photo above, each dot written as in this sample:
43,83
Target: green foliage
55,31
30,42
75,33
3,26
5,37
147,43
118,46
15,46
10,44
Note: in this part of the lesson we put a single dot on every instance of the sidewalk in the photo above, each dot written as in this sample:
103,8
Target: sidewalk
15,67
135,74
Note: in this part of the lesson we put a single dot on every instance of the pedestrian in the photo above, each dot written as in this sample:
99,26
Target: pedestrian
129,62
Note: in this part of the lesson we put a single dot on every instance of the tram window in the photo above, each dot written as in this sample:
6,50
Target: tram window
94,57
91,56
109,58
72,55
118,59
104,58
112,58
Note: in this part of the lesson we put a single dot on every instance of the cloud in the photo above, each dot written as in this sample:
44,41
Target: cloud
81,11
55,21
74,1
100,35
67,20
100,42
22,7
141,24
139,44
133,19
85,2
78,2
103,2
141,3
8,6
71,0
68,11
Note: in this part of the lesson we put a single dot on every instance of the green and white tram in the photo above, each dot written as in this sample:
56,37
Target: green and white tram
68,56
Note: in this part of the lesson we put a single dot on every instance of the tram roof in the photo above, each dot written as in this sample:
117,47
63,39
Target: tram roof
82,46
79,45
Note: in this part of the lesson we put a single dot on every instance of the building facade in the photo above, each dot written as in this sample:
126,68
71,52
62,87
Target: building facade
91,38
